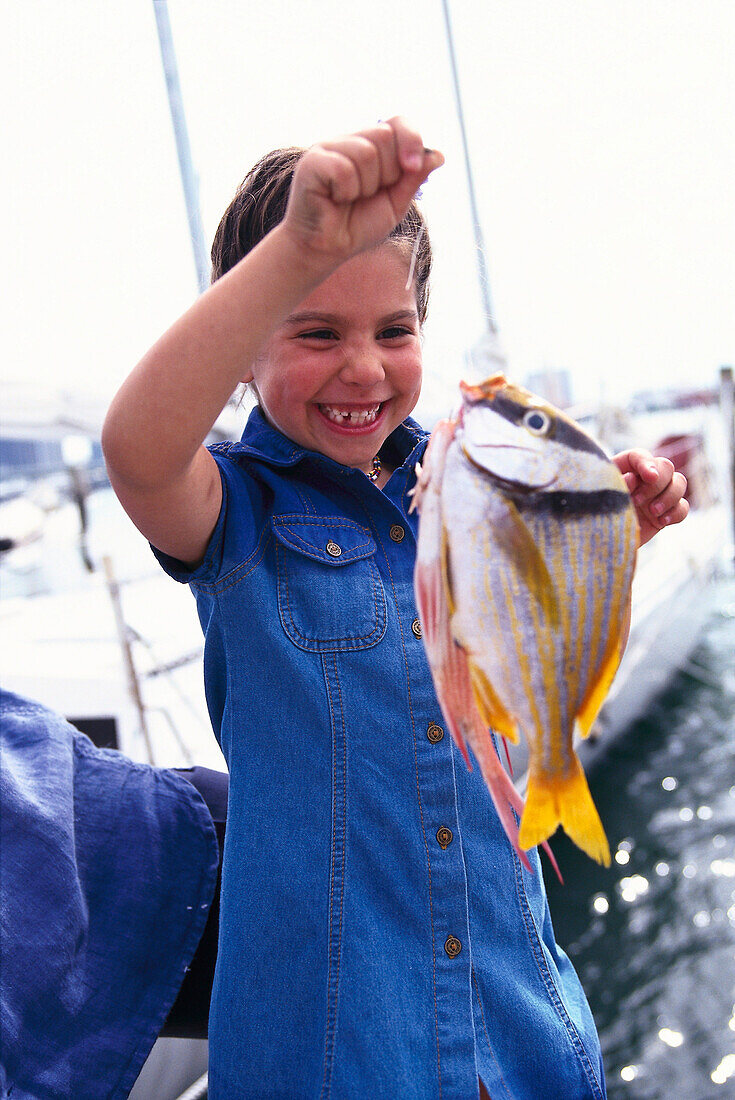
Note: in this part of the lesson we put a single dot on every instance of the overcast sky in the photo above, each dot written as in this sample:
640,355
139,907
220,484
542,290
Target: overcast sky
602,136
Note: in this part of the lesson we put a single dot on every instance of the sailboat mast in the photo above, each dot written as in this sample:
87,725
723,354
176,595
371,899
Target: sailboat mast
477,228
183,148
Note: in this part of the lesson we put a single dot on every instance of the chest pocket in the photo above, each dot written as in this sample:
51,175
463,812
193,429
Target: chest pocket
330,595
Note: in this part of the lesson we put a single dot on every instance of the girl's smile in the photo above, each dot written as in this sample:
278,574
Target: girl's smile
352,419
344,369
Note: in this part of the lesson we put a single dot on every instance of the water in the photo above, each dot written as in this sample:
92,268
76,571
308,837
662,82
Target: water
653,937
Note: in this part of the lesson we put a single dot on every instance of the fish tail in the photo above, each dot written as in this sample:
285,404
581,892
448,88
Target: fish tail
566,801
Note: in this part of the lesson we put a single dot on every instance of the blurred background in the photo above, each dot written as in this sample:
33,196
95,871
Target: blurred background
601,151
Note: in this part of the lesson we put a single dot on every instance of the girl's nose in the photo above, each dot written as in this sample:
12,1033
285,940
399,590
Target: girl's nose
363,366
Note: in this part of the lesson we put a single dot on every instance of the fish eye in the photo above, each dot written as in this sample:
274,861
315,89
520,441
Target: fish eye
537,421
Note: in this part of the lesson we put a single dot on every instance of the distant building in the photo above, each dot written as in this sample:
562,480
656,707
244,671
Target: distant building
552,384
34,458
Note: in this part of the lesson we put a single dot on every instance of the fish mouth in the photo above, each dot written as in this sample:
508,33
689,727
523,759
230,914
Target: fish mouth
517,488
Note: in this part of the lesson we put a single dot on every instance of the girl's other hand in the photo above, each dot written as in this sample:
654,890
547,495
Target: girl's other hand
348,194
656,488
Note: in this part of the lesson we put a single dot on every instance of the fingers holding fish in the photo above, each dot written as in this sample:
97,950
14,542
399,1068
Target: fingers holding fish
657,490
668,506
641,464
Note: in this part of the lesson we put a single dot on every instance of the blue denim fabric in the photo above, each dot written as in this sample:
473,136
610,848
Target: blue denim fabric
107,871
363,952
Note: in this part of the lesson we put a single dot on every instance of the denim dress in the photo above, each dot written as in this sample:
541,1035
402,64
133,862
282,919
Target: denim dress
378,936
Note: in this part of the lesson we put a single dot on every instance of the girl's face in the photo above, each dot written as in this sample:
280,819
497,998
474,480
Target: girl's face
345,368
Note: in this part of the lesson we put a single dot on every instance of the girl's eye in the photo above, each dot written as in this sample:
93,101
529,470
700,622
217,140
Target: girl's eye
318,334
395,331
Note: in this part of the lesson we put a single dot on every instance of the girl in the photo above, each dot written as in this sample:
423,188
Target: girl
378,937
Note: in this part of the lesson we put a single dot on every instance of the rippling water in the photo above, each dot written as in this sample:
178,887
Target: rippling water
653,937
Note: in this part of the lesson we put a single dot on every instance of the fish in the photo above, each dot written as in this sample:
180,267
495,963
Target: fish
526,550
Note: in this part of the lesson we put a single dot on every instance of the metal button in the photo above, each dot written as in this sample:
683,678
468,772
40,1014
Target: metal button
416,628
434,733
333,549
445,836
452,946
397,533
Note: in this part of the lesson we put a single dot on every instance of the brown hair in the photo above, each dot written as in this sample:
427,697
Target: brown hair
260,204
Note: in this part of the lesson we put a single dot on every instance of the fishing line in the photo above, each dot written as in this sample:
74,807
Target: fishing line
414,254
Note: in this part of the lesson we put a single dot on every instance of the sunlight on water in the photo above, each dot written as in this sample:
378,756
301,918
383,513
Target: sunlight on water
653,936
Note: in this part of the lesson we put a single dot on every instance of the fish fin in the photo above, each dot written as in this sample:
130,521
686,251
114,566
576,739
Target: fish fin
454,697
598,689
506,798
433,466
552,860
508,760
515,540
491,709
444,655
565,801
433,592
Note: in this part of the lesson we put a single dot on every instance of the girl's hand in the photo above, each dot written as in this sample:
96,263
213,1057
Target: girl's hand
348,194
657,491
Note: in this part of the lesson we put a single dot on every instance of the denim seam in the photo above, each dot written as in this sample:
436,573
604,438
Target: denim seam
239,572
333,997
405,493
327,1065
421,810
305,502
550,984
487,1037
227,732
314,552
318,521
356,641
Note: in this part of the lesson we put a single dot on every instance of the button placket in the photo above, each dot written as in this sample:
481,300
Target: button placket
452,946
434,733
450,917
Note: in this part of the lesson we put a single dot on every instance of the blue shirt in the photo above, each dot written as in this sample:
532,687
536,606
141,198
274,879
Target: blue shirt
107,871
378,936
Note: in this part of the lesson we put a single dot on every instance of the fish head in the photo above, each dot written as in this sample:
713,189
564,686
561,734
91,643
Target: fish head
527,444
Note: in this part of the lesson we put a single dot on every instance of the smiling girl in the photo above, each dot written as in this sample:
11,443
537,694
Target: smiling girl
378,936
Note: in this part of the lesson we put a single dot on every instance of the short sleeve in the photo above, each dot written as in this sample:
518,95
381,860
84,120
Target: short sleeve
235,533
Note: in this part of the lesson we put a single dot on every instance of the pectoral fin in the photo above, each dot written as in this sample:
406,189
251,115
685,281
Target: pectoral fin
513,538
491,709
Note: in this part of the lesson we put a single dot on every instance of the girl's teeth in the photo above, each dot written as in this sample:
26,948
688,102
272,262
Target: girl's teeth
339,416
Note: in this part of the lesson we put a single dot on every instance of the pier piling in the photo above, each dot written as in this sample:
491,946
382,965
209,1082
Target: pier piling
727,406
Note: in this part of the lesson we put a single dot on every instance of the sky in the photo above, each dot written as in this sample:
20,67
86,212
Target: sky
602,137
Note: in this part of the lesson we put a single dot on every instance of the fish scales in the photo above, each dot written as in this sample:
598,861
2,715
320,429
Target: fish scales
536,555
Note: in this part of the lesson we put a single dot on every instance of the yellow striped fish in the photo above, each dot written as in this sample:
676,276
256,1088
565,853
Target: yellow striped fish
526,552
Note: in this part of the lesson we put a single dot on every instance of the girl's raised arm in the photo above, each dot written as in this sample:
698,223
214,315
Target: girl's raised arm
346,196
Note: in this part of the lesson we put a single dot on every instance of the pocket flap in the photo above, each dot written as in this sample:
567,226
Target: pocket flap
332,540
